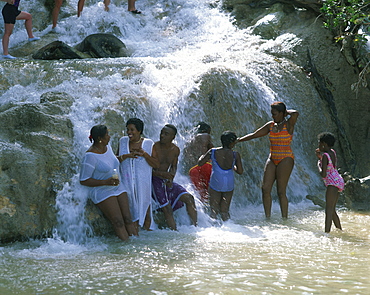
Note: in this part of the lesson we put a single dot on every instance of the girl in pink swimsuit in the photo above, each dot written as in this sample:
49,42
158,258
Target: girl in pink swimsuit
327,166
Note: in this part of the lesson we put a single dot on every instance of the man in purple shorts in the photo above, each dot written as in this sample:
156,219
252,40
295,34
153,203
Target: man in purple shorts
11,14
170,195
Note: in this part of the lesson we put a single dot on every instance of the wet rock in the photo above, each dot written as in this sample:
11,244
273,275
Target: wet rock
355,196
357,192
57,50
102,45
35,161
316,200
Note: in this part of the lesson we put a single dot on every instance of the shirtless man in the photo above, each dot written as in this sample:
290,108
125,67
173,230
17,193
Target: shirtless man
170,195
199,145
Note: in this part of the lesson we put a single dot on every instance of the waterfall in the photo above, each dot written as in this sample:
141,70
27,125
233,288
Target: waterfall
189,63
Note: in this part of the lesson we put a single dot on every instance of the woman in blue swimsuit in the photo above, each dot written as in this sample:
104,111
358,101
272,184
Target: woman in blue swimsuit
221,186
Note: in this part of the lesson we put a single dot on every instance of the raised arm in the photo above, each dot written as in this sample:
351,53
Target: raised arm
322,165
292,120
262,131
204,158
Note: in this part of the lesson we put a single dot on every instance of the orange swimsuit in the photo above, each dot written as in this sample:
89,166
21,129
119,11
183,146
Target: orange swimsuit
280,145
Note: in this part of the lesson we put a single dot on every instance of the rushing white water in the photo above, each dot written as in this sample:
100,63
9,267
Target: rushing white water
179,48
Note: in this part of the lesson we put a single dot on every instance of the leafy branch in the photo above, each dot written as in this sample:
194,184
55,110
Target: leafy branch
350,22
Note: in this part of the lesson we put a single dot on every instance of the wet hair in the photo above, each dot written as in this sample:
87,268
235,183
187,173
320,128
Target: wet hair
327,137
227,138
97,131
279,106
138,124
203,127
172,127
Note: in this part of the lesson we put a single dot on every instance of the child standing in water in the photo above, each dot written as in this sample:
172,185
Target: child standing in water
221,186
327,166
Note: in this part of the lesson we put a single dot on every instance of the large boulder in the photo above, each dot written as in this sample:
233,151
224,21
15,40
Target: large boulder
102,45
35,161
57,50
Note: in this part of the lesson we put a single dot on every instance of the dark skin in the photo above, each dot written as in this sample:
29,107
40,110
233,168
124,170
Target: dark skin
281,172
332,192
116,208
200,144
220,201
135,146
168,153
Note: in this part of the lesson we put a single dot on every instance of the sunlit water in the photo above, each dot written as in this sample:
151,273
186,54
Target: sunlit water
172,45
250,256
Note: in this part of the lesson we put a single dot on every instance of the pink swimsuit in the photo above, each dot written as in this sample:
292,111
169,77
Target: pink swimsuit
332,175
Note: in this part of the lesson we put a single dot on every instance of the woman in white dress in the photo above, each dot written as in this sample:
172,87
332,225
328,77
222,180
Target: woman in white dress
137,161
98,170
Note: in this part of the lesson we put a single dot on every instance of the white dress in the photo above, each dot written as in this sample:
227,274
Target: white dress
100,166
136,174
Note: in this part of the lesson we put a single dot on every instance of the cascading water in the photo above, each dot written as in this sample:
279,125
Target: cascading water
188,64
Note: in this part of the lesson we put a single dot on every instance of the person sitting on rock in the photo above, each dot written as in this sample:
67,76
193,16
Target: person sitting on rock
169,195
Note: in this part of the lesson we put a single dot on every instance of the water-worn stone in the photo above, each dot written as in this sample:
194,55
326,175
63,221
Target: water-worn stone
102,45
57,50
35,161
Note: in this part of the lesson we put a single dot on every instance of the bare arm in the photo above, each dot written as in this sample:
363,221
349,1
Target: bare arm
262,131
91,182
152,160
238,168
292,120
173,167
123,157
204,158
324,164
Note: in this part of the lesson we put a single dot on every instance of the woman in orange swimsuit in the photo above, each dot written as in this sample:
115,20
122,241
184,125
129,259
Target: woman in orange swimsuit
280,162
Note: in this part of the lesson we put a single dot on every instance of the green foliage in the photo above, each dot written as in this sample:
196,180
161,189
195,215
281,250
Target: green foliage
350,20
345,18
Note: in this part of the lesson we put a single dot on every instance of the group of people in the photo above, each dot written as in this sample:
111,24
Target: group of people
11,13
147,169
146,172
279,165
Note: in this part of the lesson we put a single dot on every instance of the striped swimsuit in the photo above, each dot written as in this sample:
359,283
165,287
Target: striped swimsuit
280,145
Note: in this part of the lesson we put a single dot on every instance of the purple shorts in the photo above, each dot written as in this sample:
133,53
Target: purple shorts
165,195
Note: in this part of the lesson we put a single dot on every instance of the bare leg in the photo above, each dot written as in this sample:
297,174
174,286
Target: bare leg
55,12
126,214
188,199
225,205
283,171
111,209
106,5
268,181
147,220
330,214
80,7
28,22
131,5
7,32
168,215
214,202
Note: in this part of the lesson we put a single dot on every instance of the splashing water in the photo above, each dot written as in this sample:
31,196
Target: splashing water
188,64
